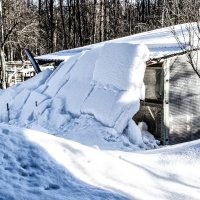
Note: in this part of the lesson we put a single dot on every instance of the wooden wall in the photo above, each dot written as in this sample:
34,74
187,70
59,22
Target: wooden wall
172,102
184,102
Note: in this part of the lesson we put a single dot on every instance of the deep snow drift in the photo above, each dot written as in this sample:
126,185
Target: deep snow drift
36,165
93,94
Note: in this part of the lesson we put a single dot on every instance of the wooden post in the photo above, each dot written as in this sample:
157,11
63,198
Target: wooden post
15,74
8,110
165,132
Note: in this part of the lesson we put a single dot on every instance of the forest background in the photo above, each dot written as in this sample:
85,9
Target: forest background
46,26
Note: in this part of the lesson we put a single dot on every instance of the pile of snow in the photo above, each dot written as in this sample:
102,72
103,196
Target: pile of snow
100,88
14,98
28,171
36,165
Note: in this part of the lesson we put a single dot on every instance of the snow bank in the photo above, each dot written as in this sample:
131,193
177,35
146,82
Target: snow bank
118,78
55,111
60,76
102,104
105,83
134,133
113,108
18,102
28,109
36,81
35,165
28,171
79,85
121,65
14,98
5,98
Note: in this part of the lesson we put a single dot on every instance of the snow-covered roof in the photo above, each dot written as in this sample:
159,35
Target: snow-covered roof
161,43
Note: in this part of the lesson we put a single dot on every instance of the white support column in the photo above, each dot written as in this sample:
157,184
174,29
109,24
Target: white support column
166,102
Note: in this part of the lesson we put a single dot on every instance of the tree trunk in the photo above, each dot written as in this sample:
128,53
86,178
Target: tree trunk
2,53
63,24
79,22
40,7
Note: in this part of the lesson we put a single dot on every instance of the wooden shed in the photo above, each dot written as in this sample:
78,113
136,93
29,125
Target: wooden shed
172,102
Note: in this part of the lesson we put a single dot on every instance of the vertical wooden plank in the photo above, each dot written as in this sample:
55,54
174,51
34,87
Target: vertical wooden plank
15,68
165,126
184,102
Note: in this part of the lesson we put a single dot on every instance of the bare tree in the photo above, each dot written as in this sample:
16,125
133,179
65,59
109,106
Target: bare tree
48,26
19,30
63,22
186,35
2,57
189,42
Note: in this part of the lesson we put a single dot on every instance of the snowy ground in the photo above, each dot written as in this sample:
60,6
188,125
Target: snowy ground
89,147
36,165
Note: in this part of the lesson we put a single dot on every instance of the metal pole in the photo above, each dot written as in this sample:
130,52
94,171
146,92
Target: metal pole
3,66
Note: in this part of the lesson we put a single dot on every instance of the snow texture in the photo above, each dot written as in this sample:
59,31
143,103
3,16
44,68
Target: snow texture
79,85
102,104
60,76
147,137
121,65
104,83
36,165
113,108
36,81
115,97
28,170
18,102
28,109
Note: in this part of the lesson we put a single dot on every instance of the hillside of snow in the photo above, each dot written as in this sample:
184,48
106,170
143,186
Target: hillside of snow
36,165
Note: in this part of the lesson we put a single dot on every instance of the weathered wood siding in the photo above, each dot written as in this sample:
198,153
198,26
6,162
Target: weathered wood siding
184,102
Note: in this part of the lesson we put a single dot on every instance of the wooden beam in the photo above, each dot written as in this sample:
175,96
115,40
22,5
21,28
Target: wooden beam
155,65
151,102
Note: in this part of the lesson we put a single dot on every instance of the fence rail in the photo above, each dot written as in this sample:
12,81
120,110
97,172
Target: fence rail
18,71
